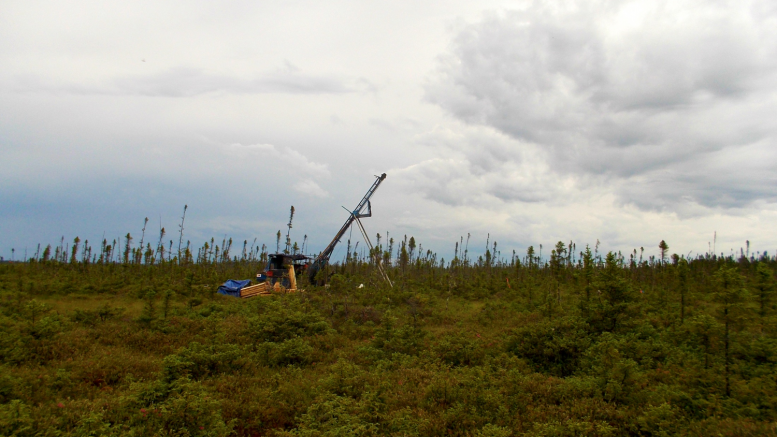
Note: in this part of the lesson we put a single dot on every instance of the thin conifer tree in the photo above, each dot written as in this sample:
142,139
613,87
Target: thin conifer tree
730,294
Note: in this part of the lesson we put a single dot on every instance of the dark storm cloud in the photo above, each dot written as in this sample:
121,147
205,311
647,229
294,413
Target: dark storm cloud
191,82
657,95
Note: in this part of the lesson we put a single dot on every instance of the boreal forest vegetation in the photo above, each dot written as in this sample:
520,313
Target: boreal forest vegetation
133,340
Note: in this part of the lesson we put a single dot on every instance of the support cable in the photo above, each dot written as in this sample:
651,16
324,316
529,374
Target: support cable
372,250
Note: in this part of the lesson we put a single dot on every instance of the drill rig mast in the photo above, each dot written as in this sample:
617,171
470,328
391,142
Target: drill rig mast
355,215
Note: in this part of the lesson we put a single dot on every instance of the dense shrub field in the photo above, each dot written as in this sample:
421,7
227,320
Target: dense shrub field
576,344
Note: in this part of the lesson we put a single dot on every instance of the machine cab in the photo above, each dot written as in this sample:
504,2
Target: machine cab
282,269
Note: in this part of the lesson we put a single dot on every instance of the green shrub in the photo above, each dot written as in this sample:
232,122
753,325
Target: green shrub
111,368
176,408
7,386
459,349
284,320
334,416
619,376
296,351
345,379
553,347
493,431
406,339
198,361
16,419
93,317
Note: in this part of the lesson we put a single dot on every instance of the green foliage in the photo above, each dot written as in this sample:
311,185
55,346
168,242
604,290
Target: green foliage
731,295
560,345
295,351
493,431
7,383
333,417
180,407
731,313
198,361
618,376
390,339
34,310
149,308
764,288
460,349
96,316
610,306
167,296
286,320
16,419
683,282
553,347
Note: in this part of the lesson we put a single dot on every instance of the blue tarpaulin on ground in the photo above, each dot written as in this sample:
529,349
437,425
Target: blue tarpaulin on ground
233,287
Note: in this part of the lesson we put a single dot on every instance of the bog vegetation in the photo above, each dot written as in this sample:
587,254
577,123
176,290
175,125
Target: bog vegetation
132,340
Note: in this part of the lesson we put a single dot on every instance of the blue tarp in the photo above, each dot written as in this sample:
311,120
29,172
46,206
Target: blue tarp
233,287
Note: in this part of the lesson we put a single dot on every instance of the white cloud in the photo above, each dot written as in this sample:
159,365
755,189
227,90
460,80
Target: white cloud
192,82
658,95
479,166
310,188
288,161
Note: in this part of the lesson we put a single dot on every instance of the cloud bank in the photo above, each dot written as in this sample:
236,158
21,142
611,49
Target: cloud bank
192,82
669,104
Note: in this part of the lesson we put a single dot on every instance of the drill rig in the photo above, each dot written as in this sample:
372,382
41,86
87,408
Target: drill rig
359,212
282,268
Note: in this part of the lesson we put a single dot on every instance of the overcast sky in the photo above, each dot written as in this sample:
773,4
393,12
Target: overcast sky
625,122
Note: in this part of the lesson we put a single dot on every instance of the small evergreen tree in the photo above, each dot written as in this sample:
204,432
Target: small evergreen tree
167,297
683,275
588,276
664,248
74,251
764,288
614,296
730,294
149,307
